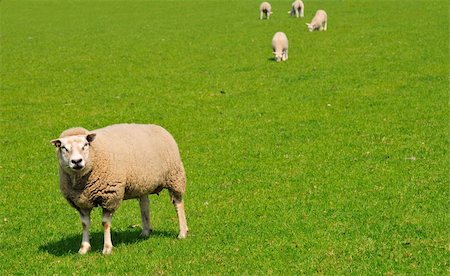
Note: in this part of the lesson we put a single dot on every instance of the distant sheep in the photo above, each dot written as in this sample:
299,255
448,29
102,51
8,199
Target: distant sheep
105,166
298,8
319,22
280,46
265,9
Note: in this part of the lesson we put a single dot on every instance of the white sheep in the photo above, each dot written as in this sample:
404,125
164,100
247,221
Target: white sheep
319,22
297,8
105,166
265,9
280,46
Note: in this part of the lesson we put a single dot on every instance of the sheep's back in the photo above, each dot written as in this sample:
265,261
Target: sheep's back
320,16
279,41
265,6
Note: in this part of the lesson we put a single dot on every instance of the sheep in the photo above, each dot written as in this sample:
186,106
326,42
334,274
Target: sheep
319,22
265,9
124,161
297,8
280,46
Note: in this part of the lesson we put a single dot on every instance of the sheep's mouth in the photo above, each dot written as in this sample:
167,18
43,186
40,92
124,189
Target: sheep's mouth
77,167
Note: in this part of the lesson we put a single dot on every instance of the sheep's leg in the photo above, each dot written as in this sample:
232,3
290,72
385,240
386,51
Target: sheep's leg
268,15
260,15
144,204
286,54
325,26
177,200
106,221
296,13
85,216
302,13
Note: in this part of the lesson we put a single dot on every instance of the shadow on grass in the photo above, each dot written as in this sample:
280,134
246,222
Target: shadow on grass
70,245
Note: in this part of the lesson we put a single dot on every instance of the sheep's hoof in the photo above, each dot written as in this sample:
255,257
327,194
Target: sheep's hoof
85,247
107,249
145,233
182,236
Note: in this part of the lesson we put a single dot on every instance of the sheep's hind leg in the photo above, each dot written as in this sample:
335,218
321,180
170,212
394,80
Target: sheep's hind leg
85,216
325,26
106,221
177,200
144,205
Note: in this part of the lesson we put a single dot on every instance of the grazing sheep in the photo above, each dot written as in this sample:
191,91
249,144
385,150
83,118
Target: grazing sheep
280,46
298,8
265,9
319,22
105,166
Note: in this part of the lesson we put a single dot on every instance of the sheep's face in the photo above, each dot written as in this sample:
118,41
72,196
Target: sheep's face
73,151
278,56
310,27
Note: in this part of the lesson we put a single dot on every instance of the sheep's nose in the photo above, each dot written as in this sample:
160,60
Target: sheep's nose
76,161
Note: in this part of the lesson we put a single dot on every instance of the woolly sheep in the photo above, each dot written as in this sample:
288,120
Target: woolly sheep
105,166
265,9
297,8
280,46
319,22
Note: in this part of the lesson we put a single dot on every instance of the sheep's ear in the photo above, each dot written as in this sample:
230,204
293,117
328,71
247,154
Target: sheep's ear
307,24
56,143
274,53
90,137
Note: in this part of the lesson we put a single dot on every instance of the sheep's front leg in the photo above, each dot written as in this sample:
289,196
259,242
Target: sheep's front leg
144,204
325,26
85,216
260,15
177,200
106,221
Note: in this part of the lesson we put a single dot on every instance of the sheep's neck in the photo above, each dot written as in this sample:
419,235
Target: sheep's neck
79,180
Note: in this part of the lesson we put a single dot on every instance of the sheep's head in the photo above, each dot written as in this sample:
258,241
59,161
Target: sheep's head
310,27
73,151
278,56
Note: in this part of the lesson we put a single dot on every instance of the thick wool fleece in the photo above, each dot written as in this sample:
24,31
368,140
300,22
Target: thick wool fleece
125,161
280,43
319,20
297,8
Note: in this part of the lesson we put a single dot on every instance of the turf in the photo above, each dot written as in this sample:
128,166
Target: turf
334,162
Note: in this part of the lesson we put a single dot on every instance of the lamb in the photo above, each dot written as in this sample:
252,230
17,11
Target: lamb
105,166
265,9
319,22
280,46
297,8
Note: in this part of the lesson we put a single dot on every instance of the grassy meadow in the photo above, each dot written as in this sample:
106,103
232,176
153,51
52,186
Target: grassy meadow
333,162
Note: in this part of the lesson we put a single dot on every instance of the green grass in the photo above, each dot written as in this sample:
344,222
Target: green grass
334,162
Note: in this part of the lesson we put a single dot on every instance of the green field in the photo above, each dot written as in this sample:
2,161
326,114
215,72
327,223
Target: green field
334,162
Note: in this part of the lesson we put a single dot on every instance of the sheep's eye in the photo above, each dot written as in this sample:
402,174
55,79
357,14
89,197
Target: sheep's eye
63,148
85,146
